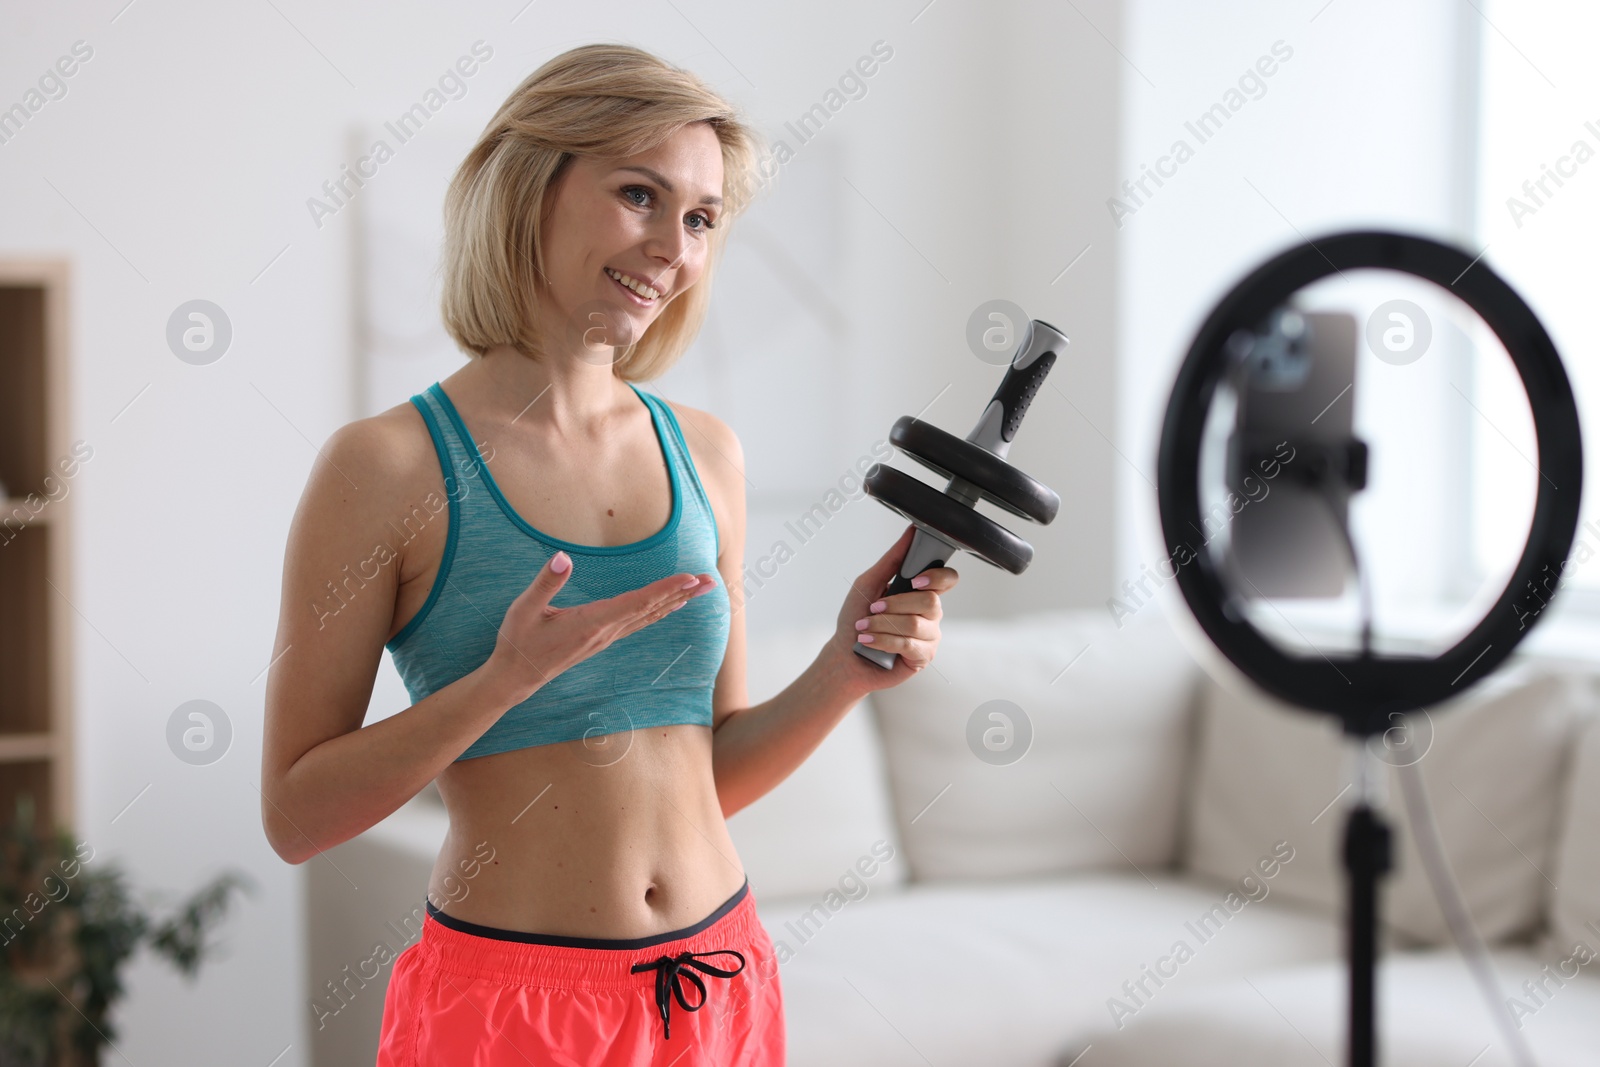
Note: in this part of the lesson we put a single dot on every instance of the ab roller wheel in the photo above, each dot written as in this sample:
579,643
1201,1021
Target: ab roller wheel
947,521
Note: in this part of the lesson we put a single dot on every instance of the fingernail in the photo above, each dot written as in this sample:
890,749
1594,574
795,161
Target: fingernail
676,606
920,581
560,562
861,624
865,639
691,583
878,605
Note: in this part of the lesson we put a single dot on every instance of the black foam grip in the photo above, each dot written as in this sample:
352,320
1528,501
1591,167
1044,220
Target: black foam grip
1017,390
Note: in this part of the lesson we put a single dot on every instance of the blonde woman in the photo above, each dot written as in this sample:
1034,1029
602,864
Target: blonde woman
552,556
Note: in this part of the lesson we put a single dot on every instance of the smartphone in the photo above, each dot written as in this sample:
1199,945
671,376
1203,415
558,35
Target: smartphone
1294,381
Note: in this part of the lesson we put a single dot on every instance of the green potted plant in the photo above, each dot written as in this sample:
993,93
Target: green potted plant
68,925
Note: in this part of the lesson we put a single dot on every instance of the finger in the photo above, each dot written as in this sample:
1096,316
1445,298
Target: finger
911,647
917,627
654,615
635,603
940,579
638,608
551,577
923,602
638,623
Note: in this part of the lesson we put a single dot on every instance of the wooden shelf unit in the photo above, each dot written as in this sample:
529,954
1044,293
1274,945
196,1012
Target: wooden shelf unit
36,505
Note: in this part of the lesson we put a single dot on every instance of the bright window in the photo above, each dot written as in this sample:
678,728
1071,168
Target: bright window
1539,216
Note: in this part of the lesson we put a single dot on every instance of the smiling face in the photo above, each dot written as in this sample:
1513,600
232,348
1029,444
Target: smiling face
626,237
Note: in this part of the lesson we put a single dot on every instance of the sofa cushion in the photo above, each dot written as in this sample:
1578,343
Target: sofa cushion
1096,787
1429,1014
1267,772
1001,973
1575,915
815,826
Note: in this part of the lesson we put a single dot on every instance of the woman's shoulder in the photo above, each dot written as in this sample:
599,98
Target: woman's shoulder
393,451
705,433
368,474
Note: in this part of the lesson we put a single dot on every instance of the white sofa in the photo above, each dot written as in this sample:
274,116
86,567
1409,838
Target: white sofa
1136,864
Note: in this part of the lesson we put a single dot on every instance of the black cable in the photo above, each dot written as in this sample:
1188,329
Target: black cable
1364,587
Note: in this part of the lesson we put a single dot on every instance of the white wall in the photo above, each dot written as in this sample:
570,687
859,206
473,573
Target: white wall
178,166
974,161
1366,125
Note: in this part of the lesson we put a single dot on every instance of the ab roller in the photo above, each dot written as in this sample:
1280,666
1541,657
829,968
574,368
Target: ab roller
947,521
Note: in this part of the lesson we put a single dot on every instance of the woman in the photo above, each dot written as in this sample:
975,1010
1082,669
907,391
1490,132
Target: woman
563,603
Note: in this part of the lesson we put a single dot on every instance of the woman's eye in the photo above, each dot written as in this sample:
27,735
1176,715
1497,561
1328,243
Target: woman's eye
630,191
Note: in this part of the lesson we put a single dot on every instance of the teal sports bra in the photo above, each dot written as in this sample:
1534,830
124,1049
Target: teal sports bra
661,674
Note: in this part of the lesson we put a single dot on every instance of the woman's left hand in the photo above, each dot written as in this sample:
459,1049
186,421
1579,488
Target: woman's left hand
906,623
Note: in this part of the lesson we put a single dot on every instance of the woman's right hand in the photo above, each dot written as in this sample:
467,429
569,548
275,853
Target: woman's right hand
536,642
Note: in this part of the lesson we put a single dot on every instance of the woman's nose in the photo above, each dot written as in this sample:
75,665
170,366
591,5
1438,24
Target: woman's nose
669,246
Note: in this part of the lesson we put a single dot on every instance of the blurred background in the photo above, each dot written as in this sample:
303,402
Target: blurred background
157,154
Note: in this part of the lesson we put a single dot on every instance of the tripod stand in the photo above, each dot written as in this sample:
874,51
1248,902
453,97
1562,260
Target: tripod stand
1367,858
1364,691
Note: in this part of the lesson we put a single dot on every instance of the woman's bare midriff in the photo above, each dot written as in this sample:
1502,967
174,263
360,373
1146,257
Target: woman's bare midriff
618,836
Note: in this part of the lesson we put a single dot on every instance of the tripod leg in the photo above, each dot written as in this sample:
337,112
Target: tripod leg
1367,859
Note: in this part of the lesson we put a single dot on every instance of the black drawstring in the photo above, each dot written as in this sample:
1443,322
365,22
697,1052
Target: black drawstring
669,969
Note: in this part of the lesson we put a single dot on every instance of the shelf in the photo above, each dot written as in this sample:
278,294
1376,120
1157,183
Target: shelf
17,747
26,555
36,579
8,505
34,778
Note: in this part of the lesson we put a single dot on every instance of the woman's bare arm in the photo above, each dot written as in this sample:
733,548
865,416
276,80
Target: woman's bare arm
324,777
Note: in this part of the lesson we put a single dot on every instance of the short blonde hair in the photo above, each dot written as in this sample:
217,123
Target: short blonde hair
599,100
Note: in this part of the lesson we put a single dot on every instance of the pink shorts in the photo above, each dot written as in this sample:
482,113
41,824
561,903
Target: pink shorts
470,994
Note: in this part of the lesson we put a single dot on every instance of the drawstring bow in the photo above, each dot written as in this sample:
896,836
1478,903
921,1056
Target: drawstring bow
671,969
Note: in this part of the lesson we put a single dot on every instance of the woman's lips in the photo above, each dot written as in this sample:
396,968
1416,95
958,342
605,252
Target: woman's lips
635,297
